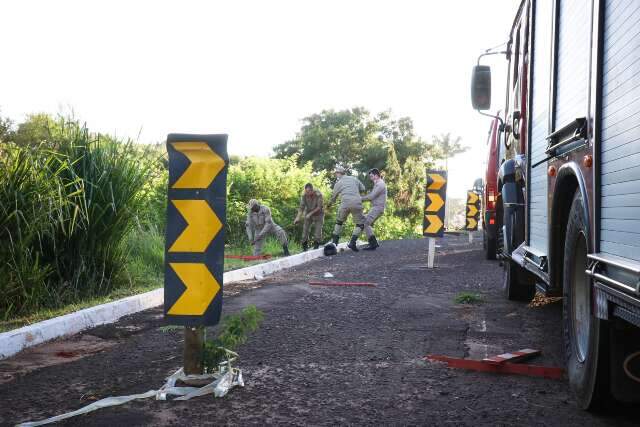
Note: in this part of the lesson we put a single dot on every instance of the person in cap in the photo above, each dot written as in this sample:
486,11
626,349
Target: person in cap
312,210
259,225
378,199
348,188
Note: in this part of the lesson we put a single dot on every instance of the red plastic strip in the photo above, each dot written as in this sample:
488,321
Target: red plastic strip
516,356
505,368
248,257
343,284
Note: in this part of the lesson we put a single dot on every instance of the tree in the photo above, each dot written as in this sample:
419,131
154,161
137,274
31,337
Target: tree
448,146
361,141
354,139
5,129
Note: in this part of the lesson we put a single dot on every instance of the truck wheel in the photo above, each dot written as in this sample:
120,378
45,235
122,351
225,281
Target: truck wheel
584,334
489,247
518,284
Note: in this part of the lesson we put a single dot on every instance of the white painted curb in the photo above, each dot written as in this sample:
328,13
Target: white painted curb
14,341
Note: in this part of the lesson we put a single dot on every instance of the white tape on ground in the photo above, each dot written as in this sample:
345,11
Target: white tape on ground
13,342
221,385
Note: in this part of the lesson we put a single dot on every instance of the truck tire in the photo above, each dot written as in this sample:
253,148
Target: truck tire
517,284
584,334
489,247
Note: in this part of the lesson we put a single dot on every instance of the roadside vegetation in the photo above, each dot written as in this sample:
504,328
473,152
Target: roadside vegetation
467,298
82,214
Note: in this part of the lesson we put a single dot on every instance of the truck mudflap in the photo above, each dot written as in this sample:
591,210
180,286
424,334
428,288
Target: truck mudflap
623,345
615,294
611,302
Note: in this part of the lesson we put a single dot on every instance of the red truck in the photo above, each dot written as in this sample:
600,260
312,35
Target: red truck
568,185
490,223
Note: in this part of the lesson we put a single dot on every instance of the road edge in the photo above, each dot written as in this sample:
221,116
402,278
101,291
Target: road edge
13,342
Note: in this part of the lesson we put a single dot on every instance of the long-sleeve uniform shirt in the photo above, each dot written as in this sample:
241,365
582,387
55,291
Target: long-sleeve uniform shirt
307,205
259,225
348,188
378,198
378,195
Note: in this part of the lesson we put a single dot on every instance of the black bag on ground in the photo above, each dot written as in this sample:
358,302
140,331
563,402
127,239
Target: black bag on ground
330,249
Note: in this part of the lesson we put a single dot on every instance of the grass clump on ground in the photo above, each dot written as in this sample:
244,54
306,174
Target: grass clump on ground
467,298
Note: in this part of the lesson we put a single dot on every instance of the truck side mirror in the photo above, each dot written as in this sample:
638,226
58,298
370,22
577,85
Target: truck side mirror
481,87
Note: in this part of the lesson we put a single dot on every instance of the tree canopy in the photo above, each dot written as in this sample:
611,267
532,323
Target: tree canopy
355,139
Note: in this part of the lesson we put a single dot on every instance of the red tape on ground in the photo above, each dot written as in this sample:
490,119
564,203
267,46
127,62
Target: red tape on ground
504,368
342,284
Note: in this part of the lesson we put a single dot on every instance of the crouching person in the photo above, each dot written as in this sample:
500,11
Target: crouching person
260,225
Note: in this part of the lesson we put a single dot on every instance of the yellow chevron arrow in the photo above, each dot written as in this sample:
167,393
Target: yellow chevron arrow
201,286
472,197
436,202
435,224
202,226
205,165
472,224
437,181
472,210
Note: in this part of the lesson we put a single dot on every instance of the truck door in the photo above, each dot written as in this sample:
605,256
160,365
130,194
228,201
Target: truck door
540,123
572,61
620,133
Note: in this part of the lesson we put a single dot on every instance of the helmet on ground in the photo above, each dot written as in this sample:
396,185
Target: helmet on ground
330,249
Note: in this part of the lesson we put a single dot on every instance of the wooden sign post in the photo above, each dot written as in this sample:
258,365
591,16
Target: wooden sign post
194,246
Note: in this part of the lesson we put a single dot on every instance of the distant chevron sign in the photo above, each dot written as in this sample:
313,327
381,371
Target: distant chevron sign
434,204
472,211
196,213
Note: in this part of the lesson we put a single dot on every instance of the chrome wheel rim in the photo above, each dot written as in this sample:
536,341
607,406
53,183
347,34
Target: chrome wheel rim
580,299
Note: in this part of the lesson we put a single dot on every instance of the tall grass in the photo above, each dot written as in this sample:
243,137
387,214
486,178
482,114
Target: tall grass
65,208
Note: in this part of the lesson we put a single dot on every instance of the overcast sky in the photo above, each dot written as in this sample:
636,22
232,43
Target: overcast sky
252,69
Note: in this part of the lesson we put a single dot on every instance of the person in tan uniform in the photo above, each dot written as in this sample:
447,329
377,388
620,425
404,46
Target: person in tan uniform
312,210
378,199
259,225
348,188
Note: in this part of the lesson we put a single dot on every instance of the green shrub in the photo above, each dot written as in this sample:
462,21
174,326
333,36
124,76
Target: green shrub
467,298
234,331
278,183
66,206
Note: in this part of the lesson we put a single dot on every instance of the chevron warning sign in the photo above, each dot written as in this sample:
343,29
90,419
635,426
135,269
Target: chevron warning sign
472,211
196,213
434,204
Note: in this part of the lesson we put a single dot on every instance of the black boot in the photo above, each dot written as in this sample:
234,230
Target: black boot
353,245
305,246
335,238
373,244
285,249
316,244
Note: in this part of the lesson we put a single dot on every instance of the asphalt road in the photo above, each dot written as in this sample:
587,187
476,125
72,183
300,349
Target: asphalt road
325,355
